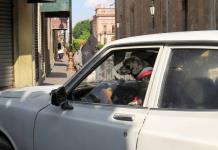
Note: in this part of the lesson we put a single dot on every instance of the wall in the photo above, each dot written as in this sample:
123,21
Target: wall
39,47
23,44
51,50
134,18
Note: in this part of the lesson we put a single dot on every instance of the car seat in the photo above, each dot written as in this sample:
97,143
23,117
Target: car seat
197,93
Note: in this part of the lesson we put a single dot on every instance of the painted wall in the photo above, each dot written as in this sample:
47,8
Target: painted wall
23,36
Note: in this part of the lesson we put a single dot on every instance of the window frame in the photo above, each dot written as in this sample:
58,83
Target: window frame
101,57
169,51
113,29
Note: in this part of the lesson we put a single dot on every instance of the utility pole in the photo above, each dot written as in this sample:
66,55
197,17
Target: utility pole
70,28
212,15
167,15
70,65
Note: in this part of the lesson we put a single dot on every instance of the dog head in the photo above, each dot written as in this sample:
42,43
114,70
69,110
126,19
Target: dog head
132,66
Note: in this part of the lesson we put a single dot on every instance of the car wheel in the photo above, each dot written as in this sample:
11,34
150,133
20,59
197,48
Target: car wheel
4,144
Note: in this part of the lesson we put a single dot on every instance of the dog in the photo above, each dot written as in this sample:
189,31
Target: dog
136,67
141,71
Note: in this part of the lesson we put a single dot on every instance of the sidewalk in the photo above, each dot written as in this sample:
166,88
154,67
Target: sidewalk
58,75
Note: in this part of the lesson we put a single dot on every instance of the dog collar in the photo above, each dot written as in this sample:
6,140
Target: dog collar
145,72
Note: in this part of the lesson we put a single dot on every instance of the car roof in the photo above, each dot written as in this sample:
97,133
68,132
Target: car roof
196,37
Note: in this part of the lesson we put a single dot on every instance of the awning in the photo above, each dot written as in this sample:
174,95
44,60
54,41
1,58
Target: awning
41,1
58,6
61,14
61,8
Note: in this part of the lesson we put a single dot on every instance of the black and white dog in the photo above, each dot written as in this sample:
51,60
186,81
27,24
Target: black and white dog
141,71
136,67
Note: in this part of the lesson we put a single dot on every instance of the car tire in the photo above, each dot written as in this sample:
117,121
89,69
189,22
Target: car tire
4,144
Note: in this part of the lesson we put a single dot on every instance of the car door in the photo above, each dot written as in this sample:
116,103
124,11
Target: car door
93,126
184,115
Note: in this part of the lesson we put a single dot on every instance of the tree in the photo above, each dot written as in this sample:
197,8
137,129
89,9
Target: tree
75,45
85,35
82,30
100,46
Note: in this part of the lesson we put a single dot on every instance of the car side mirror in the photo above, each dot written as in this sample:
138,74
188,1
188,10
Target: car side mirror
59,98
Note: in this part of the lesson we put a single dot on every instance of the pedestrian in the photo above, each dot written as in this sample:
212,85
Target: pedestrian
60,51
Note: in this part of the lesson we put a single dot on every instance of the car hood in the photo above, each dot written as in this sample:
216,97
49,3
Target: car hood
30,92
19,109
34,97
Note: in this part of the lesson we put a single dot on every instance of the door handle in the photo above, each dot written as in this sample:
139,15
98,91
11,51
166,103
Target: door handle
124,117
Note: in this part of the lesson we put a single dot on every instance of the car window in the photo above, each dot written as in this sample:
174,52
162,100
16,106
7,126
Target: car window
121,79
192,80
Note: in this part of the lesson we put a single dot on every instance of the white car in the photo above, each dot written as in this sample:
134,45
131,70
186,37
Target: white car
148,92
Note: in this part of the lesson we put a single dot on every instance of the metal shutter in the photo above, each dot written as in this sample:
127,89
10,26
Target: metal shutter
6,46
36,24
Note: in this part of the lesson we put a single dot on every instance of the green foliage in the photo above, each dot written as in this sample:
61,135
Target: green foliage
100,46
67,46
75,45
82,30
70,47
85,35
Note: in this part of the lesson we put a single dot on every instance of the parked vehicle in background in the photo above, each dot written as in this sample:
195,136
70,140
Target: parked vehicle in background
164,98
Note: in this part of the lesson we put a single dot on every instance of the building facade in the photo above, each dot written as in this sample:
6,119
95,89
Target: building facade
17,43
6,44
103,24
55,20
25,43
135,18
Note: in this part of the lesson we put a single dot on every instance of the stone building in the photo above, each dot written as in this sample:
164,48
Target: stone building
133,17
103,24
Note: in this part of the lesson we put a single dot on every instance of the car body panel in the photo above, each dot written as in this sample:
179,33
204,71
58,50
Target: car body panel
18,110
180,130
188,37
88,127
28,119
85,121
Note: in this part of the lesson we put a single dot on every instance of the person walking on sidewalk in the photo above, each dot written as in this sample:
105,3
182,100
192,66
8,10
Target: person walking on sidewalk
60,51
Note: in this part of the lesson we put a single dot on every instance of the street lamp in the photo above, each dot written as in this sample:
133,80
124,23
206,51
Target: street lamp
152,11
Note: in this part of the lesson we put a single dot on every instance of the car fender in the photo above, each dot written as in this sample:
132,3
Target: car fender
7,135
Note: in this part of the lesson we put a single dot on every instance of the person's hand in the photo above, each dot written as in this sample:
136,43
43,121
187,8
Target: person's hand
108,94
